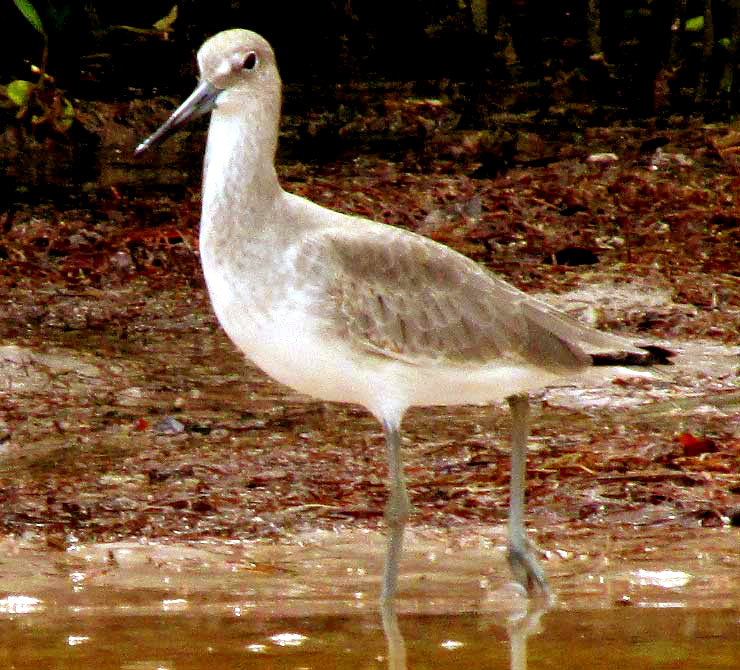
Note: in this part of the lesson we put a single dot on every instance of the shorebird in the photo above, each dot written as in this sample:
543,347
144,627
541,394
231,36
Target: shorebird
353,311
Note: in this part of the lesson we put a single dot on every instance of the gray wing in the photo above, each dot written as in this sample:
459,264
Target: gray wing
403,296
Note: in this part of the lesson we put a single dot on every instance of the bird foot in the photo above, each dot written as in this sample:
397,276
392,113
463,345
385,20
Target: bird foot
527,570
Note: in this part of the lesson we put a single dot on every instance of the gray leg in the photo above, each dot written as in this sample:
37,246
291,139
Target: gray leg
396,511
524,565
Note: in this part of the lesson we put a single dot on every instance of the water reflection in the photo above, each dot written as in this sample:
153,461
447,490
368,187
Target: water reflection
19,604
519,630
393,636
628,638
519,625
313,605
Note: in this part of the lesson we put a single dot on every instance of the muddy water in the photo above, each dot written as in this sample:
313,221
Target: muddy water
638,639
312,604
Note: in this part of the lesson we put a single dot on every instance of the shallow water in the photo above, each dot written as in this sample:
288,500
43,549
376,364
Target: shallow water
313,604
616,638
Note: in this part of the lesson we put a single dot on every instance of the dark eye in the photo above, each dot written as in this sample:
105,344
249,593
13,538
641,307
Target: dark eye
250,61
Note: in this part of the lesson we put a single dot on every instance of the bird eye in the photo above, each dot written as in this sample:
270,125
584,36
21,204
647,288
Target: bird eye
250,61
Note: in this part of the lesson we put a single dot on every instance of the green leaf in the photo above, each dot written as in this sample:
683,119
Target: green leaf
697,23
19,91
67,118
165,24
31,14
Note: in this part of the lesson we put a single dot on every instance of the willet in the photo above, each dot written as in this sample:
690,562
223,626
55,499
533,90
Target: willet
350,310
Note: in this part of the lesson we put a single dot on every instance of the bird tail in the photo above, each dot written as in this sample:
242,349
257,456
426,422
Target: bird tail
648,354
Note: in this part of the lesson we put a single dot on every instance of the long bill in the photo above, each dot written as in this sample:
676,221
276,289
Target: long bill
200,101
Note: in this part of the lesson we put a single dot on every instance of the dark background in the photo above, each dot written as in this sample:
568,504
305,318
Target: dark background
636,57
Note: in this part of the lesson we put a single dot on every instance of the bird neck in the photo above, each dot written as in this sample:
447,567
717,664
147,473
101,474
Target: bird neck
239,169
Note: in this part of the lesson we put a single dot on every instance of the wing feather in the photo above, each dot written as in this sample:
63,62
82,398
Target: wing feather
399,295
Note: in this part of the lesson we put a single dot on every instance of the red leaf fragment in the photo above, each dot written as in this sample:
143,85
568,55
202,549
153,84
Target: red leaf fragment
695,446
141,424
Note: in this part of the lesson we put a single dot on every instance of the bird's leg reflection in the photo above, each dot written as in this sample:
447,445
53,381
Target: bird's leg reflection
520,626
393,636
